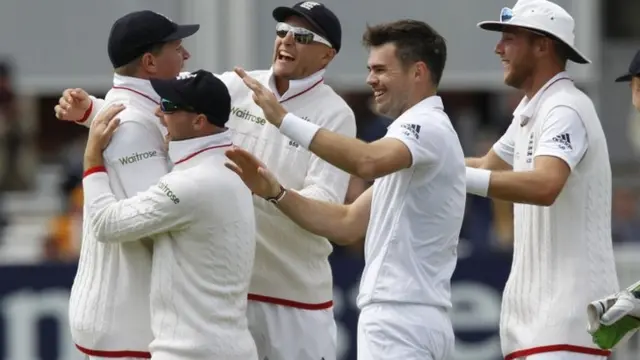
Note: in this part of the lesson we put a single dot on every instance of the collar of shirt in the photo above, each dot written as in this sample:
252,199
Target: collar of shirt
138,86
296,87
183,150
527,107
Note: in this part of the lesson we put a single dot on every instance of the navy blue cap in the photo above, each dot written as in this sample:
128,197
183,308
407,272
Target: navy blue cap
634,69
199,90
324,21
137,32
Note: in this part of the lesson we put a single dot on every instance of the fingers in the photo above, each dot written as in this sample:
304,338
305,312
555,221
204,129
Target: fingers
233,167
112,126
251,83
78,94
240,71
66,96
110,113
61,113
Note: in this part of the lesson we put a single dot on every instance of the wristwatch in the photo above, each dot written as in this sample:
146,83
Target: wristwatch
276,199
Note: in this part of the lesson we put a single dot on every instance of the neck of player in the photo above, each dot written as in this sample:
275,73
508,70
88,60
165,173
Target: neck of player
539,78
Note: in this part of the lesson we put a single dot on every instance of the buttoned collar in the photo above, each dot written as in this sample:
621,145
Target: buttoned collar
183,150
141,87
527,107
296,87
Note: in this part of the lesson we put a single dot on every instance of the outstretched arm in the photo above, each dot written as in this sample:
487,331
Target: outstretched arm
342,224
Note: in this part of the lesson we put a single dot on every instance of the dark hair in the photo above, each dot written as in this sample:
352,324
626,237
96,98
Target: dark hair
131,68
414,40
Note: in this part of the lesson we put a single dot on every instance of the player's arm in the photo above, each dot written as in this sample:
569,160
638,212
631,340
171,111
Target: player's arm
365,160
136,156
500,156
168,205
342,224
399,149
562,144
323,180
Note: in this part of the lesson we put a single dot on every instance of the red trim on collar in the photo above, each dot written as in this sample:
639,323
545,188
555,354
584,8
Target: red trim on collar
201,151
137,92
303,91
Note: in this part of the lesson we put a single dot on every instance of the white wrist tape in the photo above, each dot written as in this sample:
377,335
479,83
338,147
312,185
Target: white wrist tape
298,130
478,181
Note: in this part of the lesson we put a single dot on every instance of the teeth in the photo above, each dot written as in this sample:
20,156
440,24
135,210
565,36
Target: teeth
286,56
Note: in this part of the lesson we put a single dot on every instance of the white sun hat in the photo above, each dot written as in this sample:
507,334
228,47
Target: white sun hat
543,17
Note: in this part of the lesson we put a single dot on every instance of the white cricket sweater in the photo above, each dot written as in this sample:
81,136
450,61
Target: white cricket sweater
291,265
109,311
202,264
563,256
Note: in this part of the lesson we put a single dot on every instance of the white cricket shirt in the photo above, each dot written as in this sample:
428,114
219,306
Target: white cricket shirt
202,262
416,214
563,256
291,266
109,303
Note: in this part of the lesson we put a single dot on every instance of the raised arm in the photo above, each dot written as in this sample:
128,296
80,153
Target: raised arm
323,180
137,161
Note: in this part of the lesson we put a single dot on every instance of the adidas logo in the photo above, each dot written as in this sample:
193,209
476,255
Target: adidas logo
563,140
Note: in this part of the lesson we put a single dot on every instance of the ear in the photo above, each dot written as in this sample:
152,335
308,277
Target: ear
199,122
328,56
148,62
421,71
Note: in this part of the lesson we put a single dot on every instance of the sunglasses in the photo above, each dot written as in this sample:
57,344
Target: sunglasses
169,107
301,35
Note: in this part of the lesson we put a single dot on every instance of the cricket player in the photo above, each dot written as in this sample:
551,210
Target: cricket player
202,267
109,304
290,308
412,215
553,163
615,318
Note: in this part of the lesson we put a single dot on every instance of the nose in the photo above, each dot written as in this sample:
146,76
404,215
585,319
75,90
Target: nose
289,39
185,54
372,79
499,50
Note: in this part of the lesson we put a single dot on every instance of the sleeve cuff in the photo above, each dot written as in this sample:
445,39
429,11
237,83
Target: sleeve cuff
87,113
94,185
93,170
298,130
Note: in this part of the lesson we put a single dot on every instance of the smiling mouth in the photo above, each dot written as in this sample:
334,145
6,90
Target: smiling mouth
283,56
378,94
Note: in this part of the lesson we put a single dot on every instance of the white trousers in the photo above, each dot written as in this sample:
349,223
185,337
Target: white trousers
287,333
404,331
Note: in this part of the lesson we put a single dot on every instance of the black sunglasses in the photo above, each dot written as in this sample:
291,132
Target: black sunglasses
169,107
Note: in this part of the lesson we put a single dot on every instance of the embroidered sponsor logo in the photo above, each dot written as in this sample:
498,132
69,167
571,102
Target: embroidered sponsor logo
563,141
246,115
412,130
167,191
135,157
